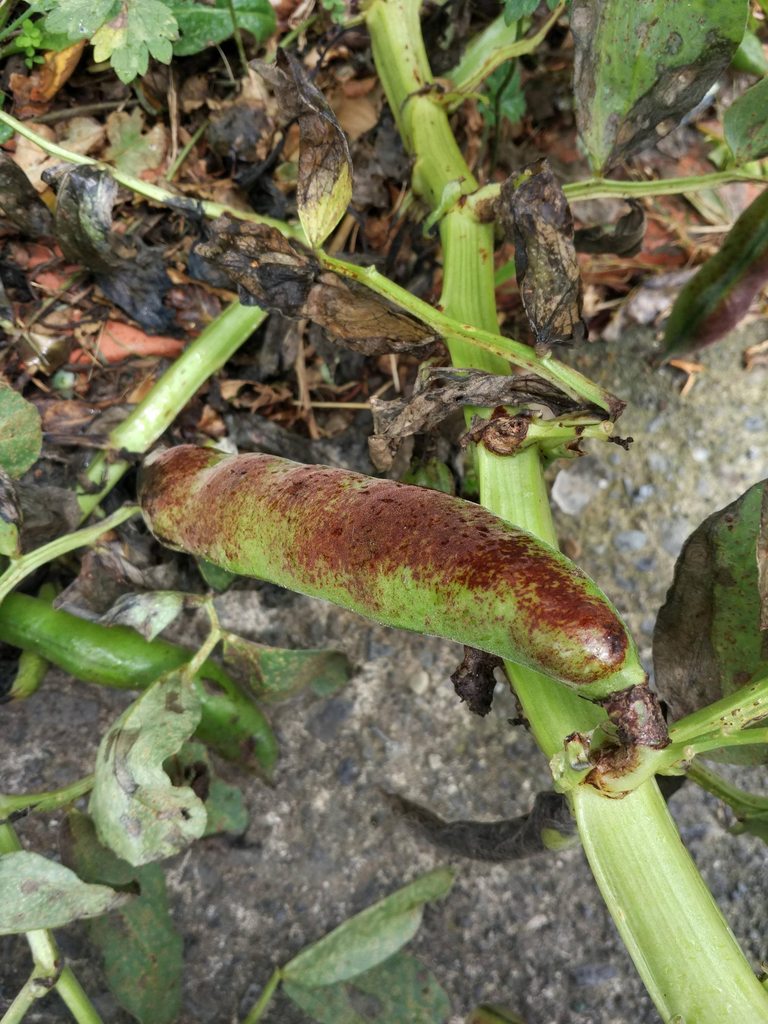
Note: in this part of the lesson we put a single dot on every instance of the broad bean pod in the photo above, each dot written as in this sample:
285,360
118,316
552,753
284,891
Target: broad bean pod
402,555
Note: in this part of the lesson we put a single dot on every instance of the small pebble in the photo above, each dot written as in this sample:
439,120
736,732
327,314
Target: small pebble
630,540
419,682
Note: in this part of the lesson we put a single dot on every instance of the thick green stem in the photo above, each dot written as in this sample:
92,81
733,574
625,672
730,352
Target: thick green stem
680,943
50,801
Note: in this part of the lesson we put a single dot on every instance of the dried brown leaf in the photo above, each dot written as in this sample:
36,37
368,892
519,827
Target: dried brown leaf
625,239
20,203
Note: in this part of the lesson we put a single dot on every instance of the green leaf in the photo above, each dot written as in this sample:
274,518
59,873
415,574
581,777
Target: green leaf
21,435
514,10
369,938
38,893
141,947
746,124
132,149
138,813
79,19
711,636
275,673
640,67
398,990
750,56
140,29
224,804
202,25
505,95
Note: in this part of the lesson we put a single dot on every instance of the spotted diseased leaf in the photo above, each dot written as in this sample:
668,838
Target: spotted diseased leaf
325,166
149,613
719,295
38,893
21,435
20,203
398,990
710,637
368,938
535,215
274,673
283,276
138,813
640,67
140,945
746,126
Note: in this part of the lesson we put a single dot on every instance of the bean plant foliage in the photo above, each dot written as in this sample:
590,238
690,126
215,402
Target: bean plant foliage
307,233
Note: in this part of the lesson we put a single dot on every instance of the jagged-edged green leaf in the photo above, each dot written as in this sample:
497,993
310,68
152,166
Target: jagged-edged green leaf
38,893
370,937
140,944
138,813
398,990
21,436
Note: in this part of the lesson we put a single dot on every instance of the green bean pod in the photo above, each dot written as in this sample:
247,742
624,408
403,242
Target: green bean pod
402,555
119,657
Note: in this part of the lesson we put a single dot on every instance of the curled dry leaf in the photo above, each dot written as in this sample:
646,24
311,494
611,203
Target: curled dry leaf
20,203
624,239
283,276
474,681
440,391
546,826
325,166
502,434
640,67
535,215
710,637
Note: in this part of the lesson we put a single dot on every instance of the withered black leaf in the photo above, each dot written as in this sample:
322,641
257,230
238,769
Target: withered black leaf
281,275
129,273
20,203
474,681
493,841
535,215
624,239
440,391
324,186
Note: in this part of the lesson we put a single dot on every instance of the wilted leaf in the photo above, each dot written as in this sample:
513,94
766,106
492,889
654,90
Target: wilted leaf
21,436
369,938
141,947
47,512
138,813
148,614
131,149
38,893
284,277
10,518
721,292
474,681
20,203
400,989
224,804
439,392
710,637
625,239
746,126
493,841
275,673
127,271
206,24
535,215
324,187
640,67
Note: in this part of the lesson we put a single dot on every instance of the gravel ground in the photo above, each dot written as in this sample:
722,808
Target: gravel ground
323,844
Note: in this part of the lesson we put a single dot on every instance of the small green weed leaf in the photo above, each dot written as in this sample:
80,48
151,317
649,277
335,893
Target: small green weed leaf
370,937
324,187
79,19
132,149
711,635
138,813
514,10
224,804
719,295
206,24
141,947
140,30
21,435
640,67
504,96
275,673
399,989
148,613
10,518
746,126
38,893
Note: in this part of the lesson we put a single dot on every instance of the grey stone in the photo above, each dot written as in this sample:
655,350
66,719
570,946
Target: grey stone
630,540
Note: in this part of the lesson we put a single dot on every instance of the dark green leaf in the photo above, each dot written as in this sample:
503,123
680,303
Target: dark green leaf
514,10
370,937
138,813
640,67
505,96
746,124
21,436
719,295
275,673
750,57
141,947
206,24
710,637
215,577
38,893
397,991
